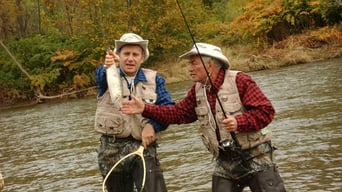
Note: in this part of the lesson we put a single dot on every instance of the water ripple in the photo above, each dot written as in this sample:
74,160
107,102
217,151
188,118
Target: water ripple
51,147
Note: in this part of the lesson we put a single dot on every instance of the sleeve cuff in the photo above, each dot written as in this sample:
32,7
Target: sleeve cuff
157,127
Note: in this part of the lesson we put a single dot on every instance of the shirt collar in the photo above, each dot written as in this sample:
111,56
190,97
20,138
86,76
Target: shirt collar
219,79
139,77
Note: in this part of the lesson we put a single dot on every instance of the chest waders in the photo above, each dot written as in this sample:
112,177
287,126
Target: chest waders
121,134
260,174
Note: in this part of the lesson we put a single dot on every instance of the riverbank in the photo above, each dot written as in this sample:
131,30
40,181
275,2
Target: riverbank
318,45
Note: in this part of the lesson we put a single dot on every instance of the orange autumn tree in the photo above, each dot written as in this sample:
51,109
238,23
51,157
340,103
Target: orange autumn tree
60,44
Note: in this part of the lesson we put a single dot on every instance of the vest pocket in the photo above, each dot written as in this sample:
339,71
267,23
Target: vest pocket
255,136
232,108
202,116
250,139
259,137
149,97
207,144
110,124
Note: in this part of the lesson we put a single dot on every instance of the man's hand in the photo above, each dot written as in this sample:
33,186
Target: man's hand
230,123
133,106
147,135
111,58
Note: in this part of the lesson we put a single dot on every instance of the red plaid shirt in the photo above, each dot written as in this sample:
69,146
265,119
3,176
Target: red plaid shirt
259,112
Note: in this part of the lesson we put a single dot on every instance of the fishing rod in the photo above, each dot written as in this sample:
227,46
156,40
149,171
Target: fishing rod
232,134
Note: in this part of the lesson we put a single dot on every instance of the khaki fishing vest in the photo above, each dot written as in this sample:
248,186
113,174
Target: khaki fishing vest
232,105
110,121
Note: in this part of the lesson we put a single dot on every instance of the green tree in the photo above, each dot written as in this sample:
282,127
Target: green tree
60,43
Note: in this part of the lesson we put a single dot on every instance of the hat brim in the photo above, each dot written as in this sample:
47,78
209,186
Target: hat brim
192,52
143,44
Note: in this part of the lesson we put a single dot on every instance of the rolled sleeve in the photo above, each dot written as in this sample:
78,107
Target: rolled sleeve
163,98
157,126
100,79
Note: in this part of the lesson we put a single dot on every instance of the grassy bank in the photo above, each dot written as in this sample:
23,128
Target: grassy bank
316,45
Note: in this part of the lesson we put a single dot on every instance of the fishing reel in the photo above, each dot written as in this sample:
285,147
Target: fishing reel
229,146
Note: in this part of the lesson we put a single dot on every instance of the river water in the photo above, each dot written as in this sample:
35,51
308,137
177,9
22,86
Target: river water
51,147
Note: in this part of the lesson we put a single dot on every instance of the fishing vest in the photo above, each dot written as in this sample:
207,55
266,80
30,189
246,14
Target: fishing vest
110,121
232,105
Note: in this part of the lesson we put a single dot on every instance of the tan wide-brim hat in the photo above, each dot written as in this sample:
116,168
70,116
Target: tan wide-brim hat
132,39
206,49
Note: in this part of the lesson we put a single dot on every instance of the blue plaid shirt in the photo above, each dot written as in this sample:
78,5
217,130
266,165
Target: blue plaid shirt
163,96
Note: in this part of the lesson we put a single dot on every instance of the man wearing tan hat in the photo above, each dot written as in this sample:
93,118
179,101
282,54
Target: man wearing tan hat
233,114
130,52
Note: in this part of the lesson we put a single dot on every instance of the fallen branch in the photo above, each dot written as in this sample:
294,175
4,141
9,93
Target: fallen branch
15,61
41,96
37,90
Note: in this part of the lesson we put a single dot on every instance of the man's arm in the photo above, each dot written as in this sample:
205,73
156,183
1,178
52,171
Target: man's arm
100,79
260,111
148,135
163,98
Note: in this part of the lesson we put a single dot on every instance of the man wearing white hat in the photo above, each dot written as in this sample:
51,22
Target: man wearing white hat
233,114
131,130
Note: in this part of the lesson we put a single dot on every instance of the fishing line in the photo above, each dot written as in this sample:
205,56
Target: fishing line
233,135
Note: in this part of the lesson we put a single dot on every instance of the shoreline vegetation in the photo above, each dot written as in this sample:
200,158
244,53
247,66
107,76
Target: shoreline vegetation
51,56
318,45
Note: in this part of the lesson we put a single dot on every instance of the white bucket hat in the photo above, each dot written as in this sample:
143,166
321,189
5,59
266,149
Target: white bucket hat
132,39
207,50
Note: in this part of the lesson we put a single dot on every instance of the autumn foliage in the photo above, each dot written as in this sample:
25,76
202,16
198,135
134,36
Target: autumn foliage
60,44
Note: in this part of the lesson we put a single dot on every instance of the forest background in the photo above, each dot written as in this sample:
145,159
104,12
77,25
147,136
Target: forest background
50,48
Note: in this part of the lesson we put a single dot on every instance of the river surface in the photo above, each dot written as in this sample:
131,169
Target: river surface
51,147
